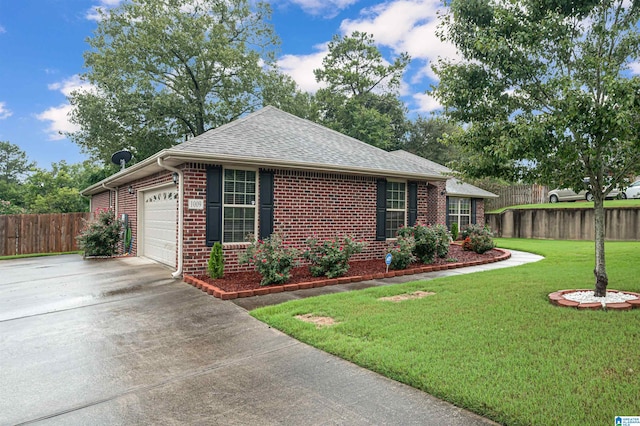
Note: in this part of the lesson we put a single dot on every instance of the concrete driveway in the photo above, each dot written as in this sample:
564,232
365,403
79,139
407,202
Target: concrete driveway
119,342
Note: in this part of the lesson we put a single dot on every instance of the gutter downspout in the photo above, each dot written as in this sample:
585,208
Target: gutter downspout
178,272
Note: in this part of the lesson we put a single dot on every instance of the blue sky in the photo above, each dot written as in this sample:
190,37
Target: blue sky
42,42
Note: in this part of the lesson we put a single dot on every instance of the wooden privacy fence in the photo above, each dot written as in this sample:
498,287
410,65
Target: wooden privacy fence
514,195
40,233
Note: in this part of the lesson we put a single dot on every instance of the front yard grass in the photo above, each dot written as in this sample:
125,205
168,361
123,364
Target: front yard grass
491,342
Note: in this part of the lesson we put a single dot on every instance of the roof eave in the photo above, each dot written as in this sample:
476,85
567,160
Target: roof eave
173,158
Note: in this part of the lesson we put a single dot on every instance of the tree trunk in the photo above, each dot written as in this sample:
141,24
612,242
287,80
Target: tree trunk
600,270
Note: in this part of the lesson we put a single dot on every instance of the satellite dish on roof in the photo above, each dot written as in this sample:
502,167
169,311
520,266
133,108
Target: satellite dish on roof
121,158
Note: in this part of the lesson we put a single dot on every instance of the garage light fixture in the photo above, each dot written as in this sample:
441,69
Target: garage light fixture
175,177
130,189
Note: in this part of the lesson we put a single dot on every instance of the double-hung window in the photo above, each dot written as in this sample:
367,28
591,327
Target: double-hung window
396,207
459,210
239,205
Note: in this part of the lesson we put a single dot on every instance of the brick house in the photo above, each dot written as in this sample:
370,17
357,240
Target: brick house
270,172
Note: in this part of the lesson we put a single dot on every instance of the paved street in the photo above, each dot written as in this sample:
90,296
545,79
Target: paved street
119,342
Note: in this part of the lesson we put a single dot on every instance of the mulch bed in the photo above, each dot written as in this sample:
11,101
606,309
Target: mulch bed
238,281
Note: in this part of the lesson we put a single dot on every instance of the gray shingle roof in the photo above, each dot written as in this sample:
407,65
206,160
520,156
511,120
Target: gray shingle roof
455,186
272,134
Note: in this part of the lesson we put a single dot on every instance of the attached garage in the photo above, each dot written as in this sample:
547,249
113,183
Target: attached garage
159,223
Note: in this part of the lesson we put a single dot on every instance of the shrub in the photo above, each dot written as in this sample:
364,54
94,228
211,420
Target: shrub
429,241
100,237
473,229
454,231
331,257
215,267
443,240
402,252
478,239
481,243
271,259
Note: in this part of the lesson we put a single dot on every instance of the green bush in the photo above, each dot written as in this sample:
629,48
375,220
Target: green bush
271,259
429,241
478,239
454,231
443,240
215,267
100,237
402,252
331,257
473,229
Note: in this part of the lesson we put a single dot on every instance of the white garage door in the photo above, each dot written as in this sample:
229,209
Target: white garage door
160,221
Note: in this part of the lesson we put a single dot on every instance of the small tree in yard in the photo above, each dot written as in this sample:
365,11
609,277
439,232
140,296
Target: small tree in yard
546,95
101,236
215,267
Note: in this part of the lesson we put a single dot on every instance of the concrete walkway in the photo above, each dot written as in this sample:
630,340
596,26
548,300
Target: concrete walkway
117,342
250,303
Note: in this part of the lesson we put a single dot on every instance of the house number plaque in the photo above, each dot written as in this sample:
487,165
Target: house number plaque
196,204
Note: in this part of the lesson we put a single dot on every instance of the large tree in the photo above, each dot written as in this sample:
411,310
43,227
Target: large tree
545,91
14,168
361,97
425,137
58,190
165,70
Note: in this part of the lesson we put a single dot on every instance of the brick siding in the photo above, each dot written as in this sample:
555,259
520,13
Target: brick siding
305,204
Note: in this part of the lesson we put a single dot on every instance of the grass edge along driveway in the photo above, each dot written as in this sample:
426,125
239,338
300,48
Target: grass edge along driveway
491,342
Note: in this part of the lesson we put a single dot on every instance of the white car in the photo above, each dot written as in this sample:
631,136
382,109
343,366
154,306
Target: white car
632,191
566,194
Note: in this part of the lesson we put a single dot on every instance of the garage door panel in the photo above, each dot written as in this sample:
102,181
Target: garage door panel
160,224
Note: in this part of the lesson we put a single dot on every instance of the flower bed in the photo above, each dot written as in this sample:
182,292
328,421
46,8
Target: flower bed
248,283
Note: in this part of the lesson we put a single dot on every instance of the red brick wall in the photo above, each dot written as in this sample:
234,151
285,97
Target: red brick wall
480,212
305,204
436,203
100,201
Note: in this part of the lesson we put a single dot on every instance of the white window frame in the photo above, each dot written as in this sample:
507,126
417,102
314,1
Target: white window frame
455,217
404,211
225,205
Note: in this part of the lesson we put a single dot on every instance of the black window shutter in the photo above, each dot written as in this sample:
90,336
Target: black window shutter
381,210
266,204
474,202
214,205
447,210
413,203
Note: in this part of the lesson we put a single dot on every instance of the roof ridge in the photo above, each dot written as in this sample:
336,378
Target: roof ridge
229,124
325,128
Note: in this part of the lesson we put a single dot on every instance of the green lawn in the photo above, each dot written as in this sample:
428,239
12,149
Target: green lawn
608,204
491,342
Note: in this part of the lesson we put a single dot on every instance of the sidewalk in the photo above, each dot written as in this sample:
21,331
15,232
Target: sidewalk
250,303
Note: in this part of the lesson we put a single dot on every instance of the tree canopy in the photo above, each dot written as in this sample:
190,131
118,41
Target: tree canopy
361,94
165,70
546,94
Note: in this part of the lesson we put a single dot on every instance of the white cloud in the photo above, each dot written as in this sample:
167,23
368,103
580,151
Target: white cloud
635,68
93,14
426,102
300,68
58,116
406,26
70,85
4,112
327,8
2,30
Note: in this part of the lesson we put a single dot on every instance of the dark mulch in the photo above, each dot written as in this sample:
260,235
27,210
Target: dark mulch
251,280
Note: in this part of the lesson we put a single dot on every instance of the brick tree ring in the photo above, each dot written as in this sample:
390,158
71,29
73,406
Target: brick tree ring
584,299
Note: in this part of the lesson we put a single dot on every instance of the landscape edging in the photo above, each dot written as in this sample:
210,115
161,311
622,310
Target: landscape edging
228,295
